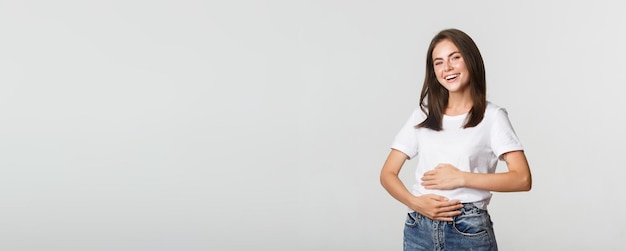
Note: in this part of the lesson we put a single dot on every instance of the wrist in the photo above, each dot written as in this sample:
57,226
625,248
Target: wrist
465,176
413,202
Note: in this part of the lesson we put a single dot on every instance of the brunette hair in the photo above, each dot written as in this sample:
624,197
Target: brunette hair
437,96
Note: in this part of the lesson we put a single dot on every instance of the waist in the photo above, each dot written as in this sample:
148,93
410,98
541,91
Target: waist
479,204
472,208
480,198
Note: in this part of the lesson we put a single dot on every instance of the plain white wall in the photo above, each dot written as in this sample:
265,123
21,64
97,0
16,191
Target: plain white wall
238,125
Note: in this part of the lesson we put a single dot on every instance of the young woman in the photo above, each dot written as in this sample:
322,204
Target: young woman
457,137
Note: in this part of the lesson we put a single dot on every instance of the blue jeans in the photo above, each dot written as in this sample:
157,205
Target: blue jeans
471,230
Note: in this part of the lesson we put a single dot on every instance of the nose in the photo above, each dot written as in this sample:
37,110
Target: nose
448,66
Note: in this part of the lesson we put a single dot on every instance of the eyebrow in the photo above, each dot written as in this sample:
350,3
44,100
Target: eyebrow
434,59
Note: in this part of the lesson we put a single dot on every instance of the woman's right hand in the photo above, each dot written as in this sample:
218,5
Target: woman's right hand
436,207
432,206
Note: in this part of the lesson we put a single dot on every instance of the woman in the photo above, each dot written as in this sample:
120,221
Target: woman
457,137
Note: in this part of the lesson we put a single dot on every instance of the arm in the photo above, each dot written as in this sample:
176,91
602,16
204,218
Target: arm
432,206
516,179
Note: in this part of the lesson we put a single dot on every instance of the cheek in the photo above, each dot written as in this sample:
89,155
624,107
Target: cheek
465,80
440,80
438,72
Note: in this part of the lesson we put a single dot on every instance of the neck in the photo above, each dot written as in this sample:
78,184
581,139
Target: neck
459,104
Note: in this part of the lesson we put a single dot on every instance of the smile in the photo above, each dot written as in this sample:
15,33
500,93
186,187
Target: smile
451,76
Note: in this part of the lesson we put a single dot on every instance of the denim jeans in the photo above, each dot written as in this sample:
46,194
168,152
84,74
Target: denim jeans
471,230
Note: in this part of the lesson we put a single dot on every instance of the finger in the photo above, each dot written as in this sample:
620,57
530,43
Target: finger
428,185
425,179
450,210
449,204
452,203
433,184
448,214
445,217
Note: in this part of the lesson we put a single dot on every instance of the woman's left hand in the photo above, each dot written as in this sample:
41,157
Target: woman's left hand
443,177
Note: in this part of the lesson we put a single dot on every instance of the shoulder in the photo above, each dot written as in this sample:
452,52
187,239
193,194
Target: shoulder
497,116
494,109
495,113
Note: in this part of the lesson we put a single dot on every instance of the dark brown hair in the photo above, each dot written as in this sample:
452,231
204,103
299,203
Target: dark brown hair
437,95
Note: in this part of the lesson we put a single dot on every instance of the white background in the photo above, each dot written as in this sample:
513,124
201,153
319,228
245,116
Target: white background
263,125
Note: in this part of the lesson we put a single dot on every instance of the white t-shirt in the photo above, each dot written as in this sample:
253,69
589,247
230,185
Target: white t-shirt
475,149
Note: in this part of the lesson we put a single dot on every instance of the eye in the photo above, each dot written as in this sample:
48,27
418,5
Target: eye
456,57
438,62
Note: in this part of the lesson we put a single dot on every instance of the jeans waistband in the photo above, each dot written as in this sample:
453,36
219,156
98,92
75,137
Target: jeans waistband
479,204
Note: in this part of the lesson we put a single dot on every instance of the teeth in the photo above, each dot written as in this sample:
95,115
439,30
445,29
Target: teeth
450,77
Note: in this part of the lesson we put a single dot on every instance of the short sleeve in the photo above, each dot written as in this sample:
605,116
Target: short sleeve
503,136
406,139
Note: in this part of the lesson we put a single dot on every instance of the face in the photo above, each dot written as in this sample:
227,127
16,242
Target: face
450,67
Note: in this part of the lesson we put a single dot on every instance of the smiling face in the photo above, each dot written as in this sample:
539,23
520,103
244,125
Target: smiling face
449,67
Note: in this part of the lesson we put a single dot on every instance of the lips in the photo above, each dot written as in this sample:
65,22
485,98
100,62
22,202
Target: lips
451,77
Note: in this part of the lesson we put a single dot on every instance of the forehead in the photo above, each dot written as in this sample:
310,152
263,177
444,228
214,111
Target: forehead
444,48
